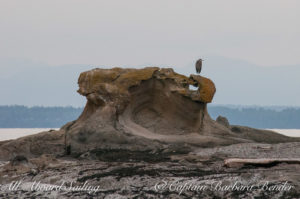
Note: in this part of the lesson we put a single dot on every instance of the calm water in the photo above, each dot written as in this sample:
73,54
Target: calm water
9,133
288,132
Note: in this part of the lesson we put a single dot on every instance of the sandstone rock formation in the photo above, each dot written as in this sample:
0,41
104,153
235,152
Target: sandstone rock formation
139,109
136,117
133,112
149,109
223,120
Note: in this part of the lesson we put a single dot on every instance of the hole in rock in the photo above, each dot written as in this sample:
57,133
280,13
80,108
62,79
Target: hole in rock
193,88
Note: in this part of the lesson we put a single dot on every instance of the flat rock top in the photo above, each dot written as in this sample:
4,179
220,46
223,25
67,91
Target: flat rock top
119,80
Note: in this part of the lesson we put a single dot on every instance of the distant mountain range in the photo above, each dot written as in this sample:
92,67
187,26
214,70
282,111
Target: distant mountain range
241,82
55,117
237,82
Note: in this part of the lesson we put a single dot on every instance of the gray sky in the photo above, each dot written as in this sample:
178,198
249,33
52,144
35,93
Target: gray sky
173,33
131,32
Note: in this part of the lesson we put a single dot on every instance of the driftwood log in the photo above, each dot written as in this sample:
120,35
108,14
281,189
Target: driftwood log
264,162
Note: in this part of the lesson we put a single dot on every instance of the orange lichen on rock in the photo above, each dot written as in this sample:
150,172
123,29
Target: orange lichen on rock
101,86
206,88
133,77
90,81
95,80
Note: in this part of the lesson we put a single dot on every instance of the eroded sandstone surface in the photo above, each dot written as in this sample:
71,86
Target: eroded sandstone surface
141,127
149,109
139,110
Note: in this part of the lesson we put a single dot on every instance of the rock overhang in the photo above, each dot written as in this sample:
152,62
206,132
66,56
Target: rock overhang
139,110
103,85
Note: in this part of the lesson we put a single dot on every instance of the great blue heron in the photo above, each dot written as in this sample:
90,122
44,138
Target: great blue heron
199,65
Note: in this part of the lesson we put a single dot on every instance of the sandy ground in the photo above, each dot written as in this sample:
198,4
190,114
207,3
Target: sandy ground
13,133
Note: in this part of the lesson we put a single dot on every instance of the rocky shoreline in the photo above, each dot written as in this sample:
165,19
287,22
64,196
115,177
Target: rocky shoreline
179,176
145,134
